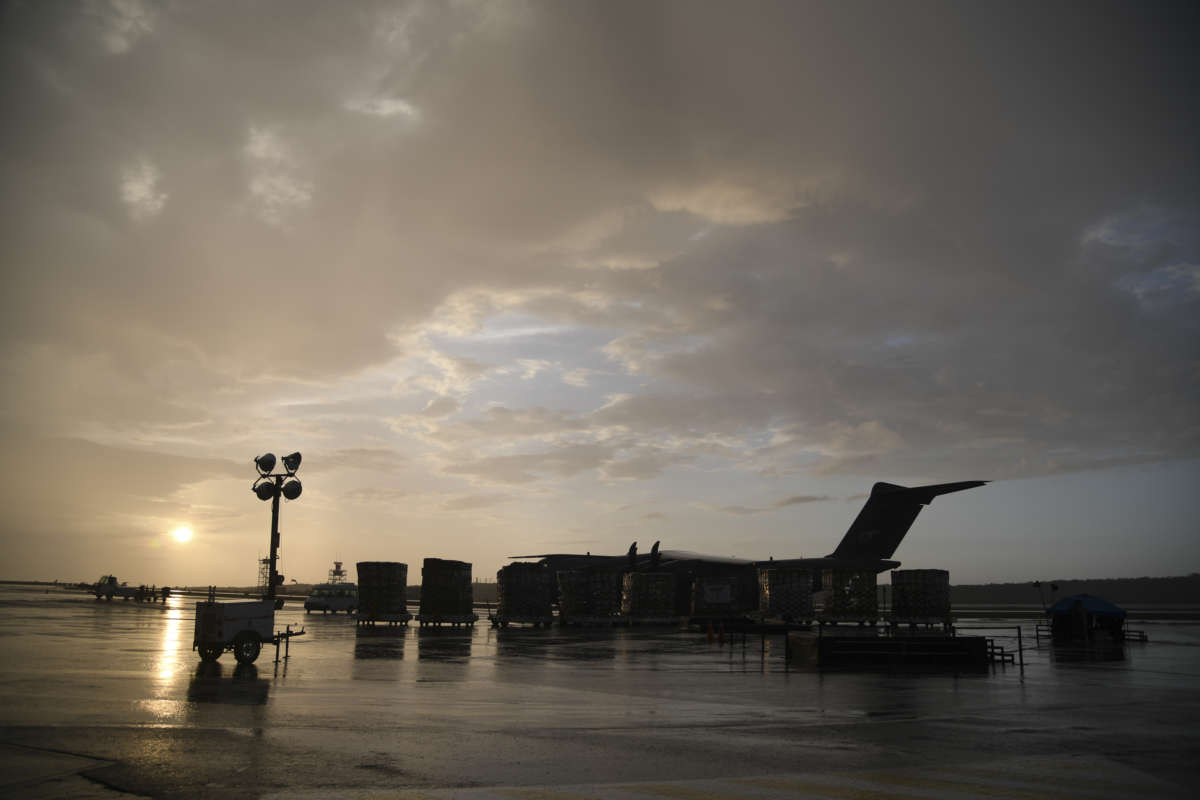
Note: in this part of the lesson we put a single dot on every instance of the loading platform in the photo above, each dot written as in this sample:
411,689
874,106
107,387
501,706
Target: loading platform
892,651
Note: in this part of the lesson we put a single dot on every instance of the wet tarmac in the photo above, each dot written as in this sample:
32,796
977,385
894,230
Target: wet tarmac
108,699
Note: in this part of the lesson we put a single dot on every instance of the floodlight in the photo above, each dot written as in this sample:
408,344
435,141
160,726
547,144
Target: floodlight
265,463
291,489
265,490
291,463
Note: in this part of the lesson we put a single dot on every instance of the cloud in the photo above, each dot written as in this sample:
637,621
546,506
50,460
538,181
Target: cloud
563,461
372,496
532,366
577,377
372,459
277,188
384,107
139,190
782,246
473,501
799,499
123,23
740,510
440,407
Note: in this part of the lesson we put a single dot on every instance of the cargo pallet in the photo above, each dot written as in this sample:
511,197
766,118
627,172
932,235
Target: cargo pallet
503,621
438,620
391,620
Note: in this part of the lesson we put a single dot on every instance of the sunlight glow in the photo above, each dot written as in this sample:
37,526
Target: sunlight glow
182,533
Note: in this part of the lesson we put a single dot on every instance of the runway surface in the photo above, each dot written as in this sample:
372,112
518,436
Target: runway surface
106,700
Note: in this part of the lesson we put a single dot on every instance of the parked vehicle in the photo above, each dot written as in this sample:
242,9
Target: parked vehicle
108,587
336,594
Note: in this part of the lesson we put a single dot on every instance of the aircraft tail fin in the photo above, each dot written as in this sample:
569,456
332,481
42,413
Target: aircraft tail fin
889,512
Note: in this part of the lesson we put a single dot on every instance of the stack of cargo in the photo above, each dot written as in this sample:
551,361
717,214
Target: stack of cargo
921,595
446,595
849,595
589,595
524,593
382,588
714,596
785,593
648,596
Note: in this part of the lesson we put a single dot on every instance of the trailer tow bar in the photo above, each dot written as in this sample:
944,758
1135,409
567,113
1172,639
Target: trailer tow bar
285,636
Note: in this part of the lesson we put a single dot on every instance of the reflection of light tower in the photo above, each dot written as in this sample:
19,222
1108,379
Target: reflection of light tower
269,486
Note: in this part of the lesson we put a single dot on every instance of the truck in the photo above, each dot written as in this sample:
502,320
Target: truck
240,627
109,587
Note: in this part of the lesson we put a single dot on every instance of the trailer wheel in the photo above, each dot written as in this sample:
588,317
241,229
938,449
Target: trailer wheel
210,652
246,647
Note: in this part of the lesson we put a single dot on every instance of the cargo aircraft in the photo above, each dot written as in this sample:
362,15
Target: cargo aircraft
868,545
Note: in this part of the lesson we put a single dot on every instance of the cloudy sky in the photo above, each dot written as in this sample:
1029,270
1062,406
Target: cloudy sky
557,276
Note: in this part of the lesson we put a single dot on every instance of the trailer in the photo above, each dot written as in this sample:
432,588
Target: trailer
241,627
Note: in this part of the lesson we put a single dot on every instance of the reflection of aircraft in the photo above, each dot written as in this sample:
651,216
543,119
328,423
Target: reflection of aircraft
869,544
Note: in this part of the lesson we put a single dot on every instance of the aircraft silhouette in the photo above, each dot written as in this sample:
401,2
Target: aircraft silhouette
869,544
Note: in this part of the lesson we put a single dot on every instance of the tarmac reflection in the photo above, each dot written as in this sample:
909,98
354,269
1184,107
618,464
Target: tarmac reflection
243,687
1087,652
444,644
384,642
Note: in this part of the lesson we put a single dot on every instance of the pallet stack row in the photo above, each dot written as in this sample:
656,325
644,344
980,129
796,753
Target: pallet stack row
589,594
920,595
648,596
524,593
446,594
715,597
850,594
382,590
786,593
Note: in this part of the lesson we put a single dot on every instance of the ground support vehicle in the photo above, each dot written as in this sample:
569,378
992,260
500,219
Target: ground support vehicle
108,587
330,598
242,627
336,594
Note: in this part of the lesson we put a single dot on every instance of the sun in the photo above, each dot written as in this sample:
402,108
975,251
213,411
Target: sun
182,533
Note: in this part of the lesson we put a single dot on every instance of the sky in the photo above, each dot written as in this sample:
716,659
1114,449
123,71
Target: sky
529,277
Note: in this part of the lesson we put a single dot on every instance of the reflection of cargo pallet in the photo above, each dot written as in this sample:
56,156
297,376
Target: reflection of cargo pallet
654,621
857,619
455,620
593,621
504,620
944,622
391,620
864,651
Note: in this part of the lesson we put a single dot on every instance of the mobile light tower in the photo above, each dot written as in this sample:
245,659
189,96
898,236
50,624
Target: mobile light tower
269,486
243,627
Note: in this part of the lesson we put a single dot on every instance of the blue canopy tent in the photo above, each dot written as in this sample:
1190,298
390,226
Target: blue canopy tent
1083,616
